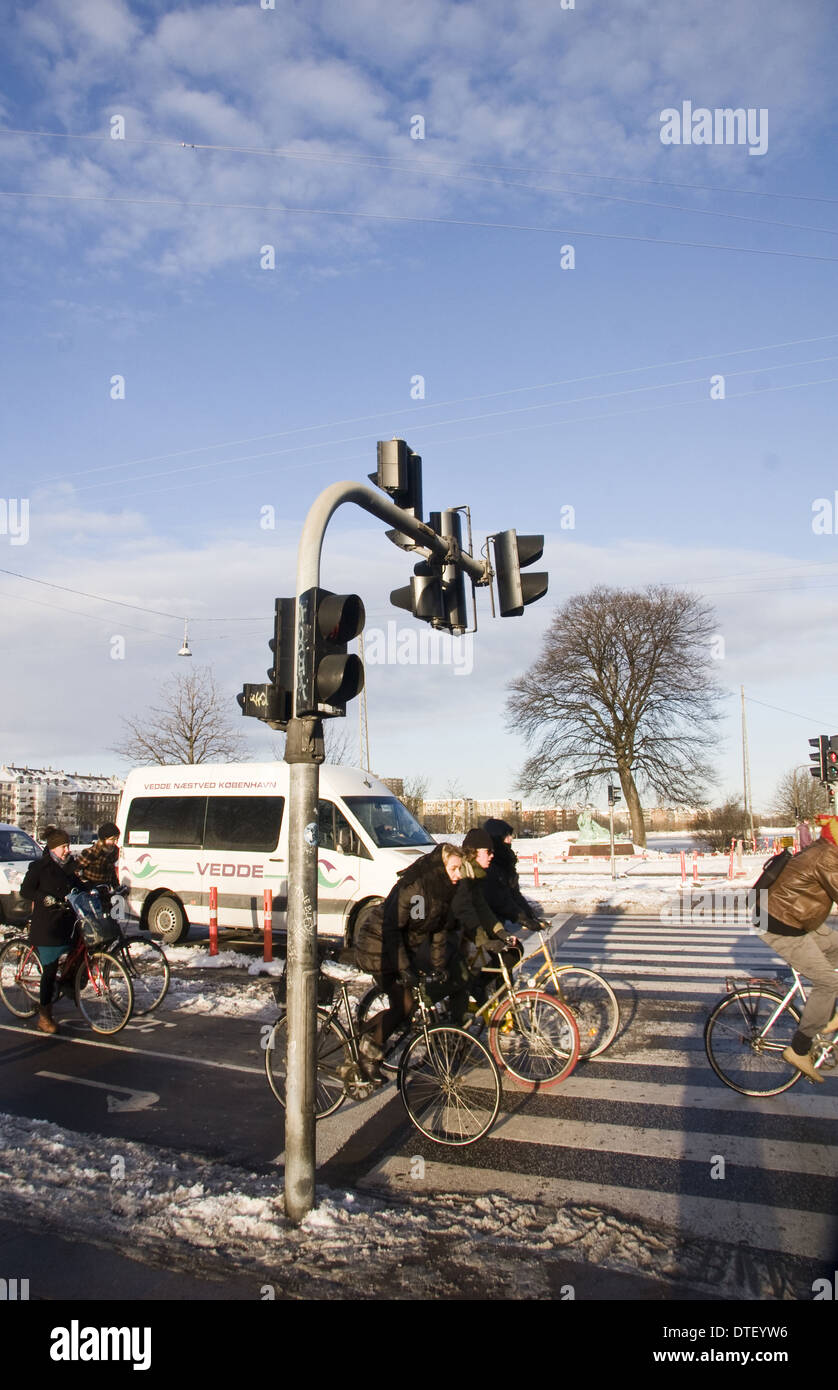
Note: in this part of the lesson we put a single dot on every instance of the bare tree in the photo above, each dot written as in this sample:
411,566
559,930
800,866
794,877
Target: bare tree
415,790
722,824
798,793
623,686
193,724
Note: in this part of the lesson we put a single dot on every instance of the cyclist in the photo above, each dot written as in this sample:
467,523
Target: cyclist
503,893
48,881
480,927
798,904
407,933
97,863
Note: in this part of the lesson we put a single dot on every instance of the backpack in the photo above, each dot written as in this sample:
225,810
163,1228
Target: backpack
771,870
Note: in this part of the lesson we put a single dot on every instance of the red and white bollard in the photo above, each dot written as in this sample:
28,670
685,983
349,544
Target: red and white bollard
268,950
535,869
732,853
695,868
683,867
213,921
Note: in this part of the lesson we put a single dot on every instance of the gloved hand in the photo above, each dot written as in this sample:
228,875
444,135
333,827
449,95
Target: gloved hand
437,977
408,978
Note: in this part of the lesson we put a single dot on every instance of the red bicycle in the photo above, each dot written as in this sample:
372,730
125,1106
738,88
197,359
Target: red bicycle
100,983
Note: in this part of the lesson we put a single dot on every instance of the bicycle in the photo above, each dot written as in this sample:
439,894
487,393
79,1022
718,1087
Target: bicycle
100,982
448,1082
589,997
531,1035
144,959
747,1031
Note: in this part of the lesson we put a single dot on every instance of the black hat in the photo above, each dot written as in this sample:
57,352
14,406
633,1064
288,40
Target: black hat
498,829
56,838
478,839
107,830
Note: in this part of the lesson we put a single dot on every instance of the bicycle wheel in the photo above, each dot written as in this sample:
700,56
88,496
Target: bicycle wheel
103,992
535,1038
738,1054
590,999
332,1053
148,968
450,1086
375,1002
20,977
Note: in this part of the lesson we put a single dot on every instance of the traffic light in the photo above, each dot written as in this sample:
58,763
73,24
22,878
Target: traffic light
455,614
832,759
512,554
273,703
399,473
437,592
613,796
423,595
820,757
328,676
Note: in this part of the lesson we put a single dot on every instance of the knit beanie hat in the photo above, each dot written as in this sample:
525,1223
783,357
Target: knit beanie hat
829,831
107,830
498,829
478,839
56,838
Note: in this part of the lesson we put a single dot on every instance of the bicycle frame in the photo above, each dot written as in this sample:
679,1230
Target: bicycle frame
796,987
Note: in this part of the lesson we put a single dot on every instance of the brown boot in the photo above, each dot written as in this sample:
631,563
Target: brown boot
46,1022
803,1063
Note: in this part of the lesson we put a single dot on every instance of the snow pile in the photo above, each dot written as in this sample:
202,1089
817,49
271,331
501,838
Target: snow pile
215,1220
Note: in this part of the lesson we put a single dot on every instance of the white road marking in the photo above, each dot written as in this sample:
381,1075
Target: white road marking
137,1100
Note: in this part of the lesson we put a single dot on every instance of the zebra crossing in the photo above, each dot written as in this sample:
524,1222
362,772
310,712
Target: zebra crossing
647,1130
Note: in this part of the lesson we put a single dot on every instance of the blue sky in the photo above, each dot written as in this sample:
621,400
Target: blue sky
544,387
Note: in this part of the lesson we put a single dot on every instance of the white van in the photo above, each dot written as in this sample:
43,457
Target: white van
186,828
17,850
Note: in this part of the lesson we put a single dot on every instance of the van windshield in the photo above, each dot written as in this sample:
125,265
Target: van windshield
15,845
388,823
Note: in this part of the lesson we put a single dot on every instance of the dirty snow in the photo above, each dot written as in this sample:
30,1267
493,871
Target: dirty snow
215,1219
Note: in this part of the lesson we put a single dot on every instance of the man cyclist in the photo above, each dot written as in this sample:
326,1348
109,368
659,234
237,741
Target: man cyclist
97,863
799,902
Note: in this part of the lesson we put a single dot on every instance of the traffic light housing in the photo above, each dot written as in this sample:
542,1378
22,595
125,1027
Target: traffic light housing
437,592
613,796
399,473
273,702
512,554
820,758
327,675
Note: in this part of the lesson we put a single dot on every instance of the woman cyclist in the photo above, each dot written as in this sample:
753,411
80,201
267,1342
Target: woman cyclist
48,881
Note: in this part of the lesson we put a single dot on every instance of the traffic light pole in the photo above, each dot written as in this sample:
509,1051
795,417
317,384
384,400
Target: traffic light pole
304,753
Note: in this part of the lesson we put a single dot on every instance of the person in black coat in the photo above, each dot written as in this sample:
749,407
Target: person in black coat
48,881
501,883
484,935
404,935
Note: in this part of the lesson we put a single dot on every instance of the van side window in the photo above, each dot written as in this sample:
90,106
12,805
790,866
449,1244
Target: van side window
171,822
325,825
243,823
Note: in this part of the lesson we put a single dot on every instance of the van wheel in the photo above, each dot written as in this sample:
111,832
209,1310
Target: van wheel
167,920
